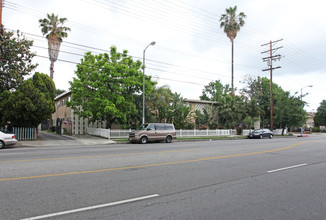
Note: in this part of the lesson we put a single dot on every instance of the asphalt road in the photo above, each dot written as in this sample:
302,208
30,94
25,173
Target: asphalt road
280,178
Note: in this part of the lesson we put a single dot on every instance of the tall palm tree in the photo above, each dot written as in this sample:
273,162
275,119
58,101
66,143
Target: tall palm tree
231,22
53,28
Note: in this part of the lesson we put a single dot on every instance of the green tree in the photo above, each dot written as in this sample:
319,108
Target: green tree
288,110
320,117
53,28
179,112
230,111
158,103
59,91
231,22
215,91
105,86
15,60
31,103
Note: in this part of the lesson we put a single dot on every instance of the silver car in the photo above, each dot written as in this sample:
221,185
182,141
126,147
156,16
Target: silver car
7,139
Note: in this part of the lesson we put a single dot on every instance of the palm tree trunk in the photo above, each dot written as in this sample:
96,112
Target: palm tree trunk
232,68
51,69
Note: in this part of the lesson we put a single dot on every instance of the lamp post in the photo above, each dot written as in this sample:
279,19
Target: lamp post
152,43
301,100
303,88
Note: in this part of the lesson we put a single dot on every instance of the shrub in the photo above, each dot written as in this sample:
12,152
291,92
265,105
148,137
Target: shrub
239,130
315,129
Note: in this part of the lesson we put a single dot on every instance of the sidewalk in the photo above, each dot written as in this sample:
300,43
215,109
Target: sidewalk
78,140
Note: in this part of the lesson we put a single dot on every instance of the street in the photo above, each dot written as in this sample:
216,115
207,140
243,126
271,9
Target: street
279,178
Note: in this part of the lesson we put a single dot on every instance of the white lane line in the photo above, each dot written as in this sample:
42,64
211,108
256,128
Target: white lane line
91,207
286,168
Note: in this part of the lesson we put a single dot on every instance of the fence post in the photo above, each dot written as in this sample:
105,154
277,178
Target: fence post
109,132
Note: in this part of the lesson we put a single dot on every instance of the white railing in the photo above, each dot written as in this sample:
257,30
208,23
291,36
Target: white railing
112,134
205,133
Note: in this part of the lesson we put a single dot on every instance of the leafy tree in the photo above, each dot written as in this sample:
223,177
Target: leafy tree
59,91
231,22
230,111
208,118
166,106
179,111
53,28
215,91
320,117
31,103
15,60
158,103
288,110
105,86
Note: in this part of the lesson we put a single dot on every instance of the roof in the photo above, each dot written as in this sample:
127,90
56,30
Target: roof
62,95
200,101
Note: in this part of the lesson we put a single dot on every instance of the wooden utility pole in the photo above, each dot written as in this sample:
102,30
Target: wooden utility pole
1,18
269,61
0,12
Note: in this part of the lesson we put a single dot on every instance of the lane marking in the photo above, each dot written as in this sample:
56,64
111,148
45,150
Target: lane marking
286,168
92,207
96,156
153,165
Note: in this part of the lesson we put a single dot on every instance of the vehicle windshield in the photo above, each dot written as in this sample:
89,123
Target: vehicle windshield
257,131
143,127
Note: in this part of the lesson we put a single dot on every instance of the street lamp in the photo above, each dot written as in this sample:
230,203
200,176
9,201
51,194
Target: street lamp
303,88
301,100
152,43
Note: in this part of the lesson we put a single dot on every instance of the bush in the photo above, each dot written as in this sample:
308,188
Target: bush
315,129
239,130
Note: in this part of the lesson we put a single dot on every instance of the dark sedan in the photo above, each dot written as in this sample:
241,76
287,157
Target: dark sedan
260,133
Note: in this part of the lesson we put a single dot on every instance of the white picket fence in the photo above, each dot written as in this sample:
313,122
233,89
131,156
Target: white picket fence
116,134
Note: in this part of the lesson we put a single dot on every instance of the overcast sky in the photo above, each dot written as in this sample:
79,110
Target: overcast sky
191,49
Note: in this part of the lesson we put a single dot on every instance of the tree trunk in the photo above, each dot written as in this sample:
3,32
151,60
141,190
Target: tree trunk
232,68
51,69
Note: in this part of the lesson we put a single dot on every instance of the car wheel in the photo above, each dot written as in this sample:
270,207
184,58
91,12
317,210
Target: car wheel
261,136
143,140
2,144
270,136
168,139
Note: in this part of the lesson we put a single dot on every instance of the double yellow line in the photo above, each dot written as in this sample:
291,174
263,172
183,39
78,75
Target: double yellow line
149,165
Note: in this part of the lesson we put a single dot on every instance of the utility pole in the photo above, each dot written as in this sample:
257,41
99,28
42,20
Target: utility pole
1,28
269,61
0,13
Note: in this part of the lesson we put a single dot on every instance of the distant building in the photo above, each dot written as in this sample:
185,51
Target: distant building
310,120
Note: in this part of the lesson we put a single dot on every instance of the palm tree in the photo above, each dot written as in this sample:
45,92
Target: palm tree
231,22
53,28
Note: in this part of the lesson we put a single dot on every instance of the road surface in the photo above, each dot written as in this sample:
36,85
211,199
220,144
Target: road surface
279,178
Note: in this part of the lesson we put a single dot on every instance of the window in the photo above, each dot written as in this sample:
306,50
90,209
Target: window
151,127
160,127
169,127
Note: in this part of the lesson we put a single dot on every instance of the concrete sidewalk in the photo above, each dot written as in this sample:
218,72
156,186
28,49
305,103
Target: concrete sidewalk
77,140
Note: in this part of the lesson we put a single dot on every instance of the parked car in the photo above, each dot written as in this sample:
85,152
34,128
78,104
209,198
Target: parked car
153,132
260,133
7,139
